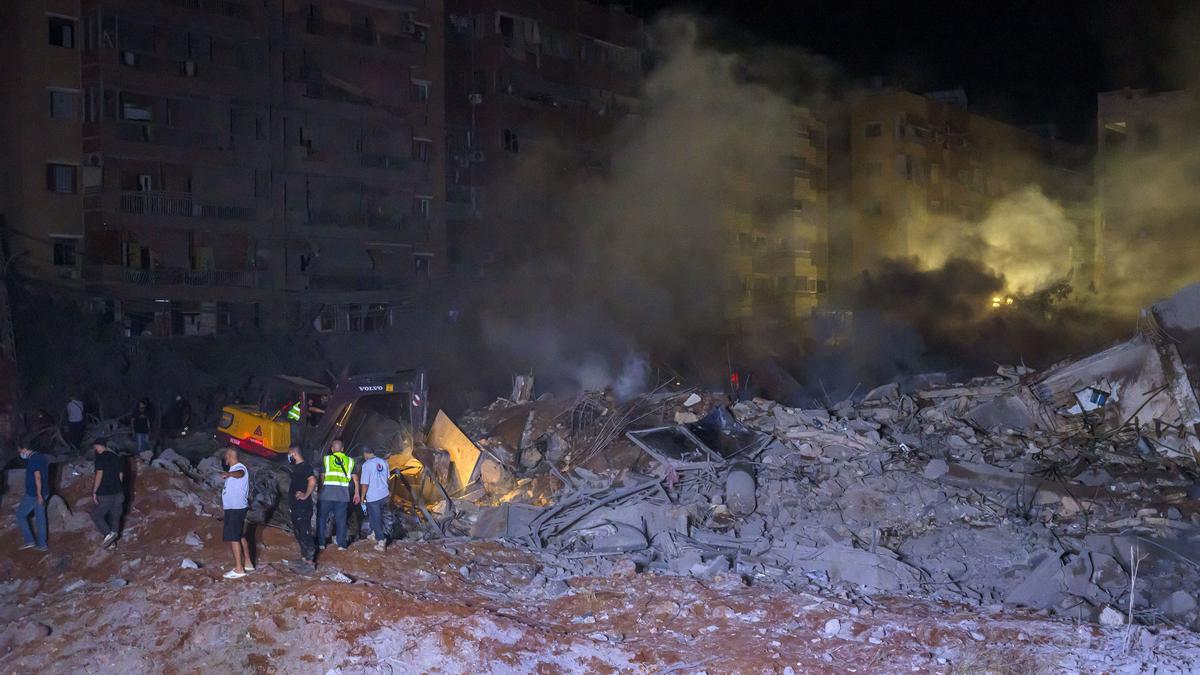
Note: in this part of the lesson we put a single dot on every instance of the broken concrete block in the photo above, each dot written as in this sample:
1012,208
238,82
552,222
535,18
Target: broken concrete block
171,461
193,540
58,514
809,451
464,455
683,563
740,490
832,628
684,417
496,477
189,564
935,469
1178,604
706,570
1111,617
338,577
1043,587
146,456
883,393
624,569
691,400
530,457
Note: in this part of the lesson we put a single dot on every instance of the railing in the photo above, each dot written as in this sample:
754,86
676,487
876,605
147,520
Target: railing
368,161
167,276
179,204
136,132
159,204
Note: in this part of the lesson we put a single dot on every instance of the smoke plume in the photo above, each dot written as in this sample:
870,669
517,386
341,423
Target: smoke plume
641,262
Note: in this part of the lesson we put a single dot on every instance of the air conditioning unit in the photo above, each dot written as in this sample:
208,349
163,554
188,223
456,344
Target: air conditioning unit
475,99
476,155
129,58
93,159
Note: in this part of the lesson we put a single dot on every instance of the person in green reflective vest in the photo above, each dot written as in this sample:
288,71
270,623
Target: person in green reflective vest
339,487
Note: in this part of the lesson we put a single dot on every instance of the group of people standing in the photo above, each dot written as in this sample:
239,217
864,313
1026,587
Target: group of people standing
342,482
340,487
175,422
108,496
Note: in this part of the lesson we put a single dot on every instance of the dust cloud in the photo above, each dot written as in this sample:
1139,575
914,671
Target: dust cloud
641,266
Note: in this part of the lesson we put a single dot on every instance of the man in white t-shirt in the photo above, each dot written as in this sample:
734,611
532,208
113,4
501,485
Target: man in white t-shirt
374,486
75,423
235,500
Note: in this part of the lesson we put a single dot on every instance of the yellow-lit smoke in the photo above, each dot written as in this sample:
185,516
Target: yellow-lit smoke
1024,236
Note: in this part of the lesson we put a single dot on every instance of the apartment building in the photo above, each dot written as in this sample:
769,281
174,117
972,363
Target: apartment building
40,103
778,216
904,167
244,164
534,87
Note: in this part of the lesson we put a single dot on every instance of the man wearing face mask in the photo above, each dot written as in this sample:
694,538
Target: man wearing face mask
300,504
37,491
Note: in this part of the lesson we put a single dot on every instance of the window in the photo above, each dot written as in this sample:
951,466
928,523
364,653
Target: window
421,206
64,251
507,29
873,208
62,105
326,321
62,31
421,264
421,149
61,178
420,91
873,168
136,108
874,129
508,140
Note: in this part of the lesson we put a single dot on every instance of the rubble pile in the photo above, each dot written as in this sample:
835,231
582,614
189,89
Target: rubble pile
1042,490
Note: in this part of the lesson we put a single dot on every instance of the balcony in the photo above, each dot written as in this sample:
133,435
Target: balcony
180,205
372,161
166,276
137,132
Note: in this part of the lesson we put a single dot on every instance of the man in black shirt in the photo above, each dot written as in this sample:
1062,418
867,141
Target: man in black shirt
300,504
108,493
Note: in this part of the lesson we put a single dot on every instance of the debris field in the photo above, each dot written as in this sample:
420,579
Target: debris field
1026,521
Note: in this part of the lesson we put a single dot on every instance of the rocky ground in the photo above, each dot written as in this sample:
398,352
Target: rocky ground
480,606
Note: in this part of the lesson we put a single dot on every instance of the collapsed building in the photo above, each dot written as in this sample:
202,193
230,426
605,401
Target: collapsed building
1048,490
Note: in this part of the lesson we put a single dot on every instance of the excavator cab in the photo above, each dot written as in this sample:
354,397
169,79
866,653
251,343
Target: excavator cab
383,410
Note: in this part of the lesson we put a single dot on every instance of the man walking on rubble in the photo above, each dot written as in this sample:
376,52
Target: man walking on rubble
374,486
108,493
235,501
37,492
339,486
300,503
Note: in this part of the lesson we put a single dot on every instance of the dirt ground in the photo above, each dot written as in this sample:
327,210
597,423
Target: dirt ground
471,607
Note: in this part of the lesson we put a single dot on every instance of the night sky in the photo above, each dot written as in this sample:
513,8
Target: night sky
1025,61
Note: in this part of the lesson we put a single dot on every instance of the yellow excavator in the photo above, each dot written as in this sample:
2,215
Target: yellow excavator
386,411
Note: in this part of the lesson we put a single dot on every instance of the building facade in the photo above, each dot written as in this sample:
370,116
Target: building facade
778,214
244,164
40,100
906,170
534,88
